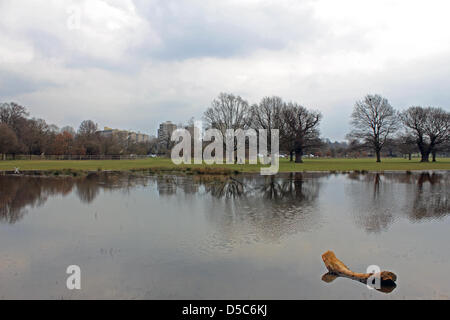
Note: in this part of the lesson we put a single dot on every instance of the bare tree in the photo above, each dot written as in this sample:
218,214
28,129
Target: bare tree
63,144
267,114
13,115
8,140
87,139
36,136
430,128
374,120
228,112
438,129
300,129
68,129
355,147
87,128
443,148
406,144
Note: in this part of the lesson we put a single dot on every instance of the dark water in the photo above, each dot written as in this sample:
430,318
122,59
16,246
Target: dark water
172,237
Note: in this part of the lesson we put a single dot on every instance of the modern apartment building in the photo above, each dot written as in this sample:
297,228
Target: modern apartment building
165,132
124,135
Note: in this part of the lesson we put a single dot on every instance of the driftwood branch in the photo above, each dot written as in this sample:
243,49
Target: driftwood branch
336,268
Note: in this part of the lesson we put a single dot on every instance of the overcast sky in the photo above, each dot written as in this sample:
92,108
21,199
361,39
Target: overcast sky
133,64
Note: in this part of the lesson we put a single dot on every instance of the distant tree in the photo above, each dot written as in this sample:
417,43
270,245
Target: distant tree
63,144
430,128
87,128
111,145
8,140
35,136
52,128
355,148
87,139
406,144
391,147
334,149
374,120
300,129
141,148
153,146
68,129
444,148
92,147
441,148
13,115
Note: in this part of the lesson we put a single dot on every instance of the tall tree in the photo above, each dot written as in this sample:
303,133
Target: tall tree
430,127
267,115
228,112
300,129
374,120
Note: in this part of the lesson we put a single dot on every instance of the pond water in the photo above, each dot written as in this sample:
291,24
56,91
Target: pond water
241,237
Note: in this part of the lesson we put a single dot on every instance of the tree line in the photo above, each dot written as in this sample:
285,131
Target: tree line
20,134
298,127
377,129
376,126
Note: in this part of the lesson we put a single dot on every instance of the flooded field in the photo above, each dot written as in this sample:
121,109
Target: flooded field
214,237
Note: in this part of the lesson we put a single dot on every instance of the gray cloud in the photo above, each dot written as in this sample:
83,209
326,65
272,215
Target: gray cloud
133,64
203,28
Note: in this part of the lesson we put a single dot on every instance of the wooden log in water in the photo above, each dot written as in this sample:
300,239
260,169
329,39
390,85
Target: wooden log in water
338,268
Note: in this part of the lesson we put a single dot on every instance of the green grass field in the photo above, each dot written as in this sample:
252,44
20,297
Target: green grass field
163,164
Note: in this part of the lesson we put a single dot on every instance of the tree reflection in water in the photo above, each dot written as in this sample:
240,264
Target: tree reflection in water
17,193
419,196
431,199
277,204
228,187
270,207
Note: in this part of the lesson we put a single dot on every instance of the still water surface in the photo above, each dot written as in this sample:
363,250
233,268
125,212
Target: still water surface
245,237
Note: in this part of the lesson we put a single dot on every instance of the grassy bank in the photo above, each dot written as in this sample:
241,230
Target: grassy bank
161,164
